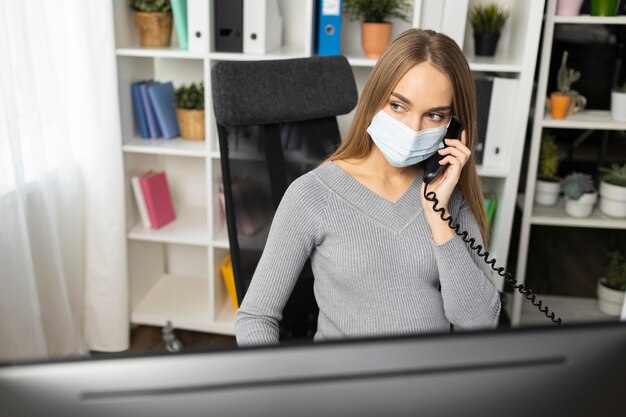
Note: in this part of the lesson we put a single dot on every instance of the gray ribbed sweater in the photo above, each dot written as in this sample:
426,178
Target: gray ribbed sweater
376,267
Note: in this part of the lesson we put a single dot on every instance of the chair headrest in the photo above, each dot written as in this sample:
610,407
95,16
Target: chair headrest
280,91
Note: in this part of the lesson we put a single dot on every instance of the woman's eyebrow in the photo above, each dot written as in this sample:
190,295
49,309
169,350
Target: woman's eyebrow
402,98
440,108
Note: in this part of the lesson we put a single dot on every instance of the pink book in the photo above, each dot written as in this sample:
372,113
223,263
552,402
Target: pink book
158,200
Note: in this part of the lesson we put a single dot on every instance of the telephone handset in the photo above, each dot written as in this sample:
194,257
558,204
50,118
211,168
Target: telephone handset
432,169
431,165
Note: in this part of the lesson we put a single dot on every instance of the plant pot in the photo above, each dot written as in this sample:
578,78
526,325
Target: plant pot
568,7
547,192
374,38
485,43
154,29
559,105
618,106
612,200
191,124
583,207
604,7
609,300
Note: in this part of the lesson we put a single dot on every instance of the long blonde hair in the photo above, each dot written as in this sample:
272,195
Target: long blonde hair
412,47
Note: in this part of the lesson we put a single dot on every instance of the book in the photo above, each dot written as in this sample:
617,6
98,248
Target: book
141,202
490,208
162,101
140,114
229,280
158,200
153,125
179,10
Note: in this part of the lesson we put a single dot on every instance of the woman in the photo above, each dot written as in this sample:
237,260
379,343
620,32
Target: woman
379,252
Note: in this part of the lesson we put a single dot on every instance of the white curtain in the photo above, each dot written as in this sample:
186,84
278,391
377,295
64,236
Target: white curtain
63,279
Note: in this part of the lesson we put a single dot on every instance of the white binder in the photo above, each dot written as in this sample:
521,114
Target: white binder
445,16
198,25
262,26
501,108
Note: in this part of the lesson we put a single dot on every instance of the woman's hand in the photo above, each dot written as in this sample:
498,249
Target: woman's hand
456,156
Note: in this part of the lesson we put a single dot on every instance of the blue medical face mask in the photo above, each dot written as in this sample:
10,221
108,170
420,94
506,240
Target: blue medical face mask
401,145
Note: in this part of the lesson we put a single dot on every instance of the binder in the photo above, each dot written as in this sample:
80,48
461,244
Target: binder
140,114
262,26
162,100
446,16
198,25
158,200
228,24
329,27
179,10
499,113
153,125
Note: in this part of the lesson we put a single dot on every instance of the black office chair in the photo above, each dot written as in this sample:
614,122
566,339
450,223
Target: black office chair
276,120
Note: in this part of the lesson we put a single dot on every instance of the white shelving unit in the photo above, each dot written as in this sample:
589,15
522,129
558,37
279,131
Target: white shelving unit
576,309
174,271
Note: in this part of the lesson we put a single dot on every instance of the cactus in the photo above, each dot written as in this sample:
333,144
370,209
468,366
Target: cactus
548,158
616,271
615,175
576,184
150,6
191,97
566,76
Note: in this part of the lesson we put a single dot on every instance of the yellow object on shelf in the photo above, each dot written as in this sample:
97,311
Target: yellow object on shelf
229,280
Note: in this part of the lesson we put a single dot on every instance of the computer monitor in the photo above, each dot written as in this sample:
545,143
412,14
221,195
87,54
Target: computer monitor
575,370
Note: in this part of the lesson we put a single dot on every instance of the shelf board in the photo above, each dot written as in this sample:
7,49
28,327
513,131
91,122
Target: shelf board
494,64
189,228
174,147
171,52
284,52
556,216
591,20
357,58
587,119
252,242
491,172
569,309
225,318
183,300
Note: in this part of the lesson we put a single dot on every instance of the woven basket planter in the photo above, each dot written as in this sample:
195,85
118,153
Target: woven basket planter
191,124
154,29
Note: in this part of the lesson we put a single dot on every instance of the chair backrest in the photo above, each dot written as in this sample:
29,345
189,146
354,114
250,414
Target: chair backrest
276,120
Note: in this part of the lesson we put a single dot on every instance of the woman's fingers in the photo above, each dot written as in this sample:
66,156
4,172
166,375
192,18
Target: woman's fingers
456,152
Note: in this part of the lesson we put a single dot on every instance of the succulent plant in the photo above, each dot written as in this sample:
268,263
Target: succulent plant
150,6
615,175
548,158
620,88
616,271
377,11
576,184
566,76
489,17
190,97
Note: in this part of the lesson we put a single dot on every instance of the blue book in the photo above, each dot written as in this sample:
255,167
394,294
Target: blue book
179,10
140,114
162,99
153,125
329,27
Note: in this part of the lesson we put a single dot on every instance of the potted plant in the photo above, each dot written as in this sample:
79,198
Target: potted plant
153,21
487,20
611,288
190,111
618,103
548,184
604,7
375,30
566,101
568,7
613,191
580,194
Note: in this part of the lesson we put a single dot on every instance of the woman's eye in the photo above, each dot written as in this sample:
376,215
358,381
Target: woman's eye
396,106
435,117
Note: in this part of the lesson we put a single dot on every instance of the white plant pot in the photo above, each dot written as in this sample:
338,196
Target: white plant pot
618,106
612,200
581,207
609,300
547,192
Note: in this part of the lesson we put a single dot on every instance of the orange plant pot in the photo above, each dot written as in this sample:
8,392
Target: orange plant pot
559,105
374,38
